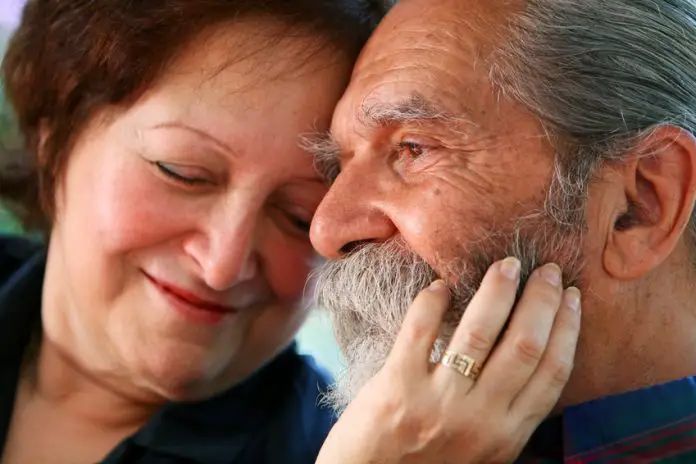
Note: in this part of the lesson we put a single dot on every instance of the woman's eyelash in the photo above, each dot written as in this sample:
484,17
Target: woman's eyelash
172,174
301,224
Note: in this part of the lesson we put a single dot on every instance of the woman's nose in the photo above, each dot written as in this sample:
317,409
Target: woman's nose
225,250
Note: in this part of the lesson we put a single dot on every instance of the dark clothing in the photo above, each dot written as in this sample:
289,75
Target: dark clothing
655,424
272,417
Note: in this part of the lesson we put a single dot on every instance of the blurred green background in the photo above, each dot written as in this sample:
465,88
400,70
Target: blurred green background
315,338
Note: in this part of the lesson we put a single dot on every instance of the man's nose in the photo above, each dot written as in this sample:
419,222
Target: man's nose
351,213
225,250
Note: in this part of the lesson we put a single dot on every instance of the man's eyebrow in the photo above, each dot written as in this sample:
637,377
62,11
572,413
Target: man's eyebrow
325,152
413,110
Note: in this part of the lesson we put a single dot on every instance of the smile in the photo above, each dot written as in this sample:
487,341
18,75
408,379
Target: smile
191,306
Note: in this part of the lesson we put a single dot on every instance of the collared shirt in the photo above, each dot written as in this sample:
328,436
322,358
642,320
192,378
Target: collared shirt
652,425
272,417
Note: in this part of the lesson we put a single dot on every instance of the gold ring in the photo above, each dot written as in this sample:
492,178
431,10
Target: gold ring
461,363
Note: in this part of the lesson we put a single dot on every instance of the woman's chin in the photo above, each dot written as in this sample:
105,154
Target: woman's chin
182,375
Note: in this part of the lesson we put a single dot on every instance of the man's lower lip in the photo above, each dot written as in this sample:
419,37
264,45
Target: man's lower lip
190,311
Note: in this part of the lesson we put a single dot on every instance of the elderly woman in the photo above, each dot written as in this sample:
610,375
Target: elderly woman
164,169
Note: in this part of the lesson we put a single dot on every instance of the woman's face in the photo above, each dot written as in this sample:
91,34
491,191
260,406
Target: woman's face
180,249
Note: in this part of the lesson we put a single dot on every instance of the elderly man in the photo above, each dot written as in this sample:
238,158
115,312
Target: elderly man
555,130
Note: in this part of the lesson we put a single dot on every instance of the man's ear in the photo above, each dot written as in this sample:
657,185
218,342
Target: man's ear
660,189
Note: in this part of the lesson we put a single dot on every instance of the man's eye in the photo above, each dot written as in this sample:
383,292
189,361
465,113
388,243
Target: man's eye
177,175
412,149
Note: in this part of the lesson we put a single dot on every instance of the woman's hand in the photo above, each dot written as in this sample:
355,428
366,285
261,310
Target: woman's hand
415,412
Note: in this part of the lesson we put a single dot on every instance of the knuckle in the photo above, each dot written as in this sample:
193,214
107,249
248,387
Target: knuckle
477,340
394,405
497,282
549,297
427,426
387,408
416,330
419,429
571,324
545,295
559,370
528,349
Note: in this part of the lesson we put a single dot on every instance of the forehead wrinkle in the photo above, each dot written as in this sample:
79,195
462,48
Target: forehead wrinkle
398,69
414,109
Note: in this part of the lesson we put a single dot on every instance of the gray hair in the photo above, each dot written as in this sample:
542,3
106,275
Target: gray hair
601,75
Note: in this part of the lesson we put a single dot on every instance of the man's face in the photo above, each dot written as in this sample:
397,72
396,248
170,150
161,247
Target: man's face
438,176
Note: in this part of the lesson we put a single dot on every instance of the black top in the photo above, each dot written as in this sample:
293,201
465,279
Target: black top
272,417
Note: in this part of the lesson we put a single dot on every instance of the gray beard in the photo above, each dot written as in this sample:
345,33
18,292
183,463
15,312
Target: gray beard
368,292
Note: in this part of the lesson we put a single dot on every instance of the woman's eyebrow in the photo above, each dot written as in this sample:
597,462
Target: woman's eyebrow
201,133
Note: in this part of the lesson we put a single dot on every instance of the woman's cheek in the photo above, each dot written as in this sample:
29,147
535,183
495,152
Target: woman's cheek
287,266
140,213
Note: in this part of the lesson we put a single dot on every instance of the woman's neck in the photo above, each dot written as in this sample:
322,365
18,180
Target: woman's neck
72,376
54,379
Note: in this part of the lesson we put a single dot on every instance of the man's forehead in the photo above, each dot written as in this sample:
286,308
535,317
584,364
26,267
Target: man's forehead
433,47
399,95
427,61
433,22
414,107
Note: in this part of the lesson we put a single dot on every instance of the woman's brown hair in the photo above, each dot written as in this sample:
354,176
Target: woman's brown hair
69,59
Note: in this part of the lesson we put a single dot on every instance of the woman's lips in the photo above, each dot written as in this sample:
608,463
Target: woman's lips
191,305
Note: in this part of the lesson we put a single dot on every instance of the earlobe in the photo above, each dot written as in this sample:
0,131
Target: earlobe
659,187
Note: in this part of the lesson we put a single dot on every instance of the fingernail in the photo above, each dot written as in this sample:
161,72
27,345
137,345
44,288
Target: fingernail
437,285
510,268
571,298
552,274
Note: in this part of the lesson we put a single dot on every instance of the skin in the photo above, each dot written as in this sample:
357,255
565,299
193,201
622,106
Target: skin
434,413
114,348
439,187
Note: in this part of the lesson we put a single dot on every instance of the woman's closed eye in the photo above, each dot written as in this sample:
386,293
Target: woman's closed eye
182,174
299,223
292,220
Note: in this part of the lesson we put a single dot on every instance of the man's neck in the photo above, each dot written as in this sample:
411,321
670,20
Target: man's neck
646,338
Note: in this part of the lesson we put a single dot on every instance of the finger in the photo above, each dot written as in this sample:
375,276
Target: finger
421,326
488,311
541,393
523,345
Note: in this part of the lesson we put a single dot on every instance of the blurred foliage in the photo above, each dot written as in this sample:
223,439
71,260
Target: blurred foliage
9,134
8,223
